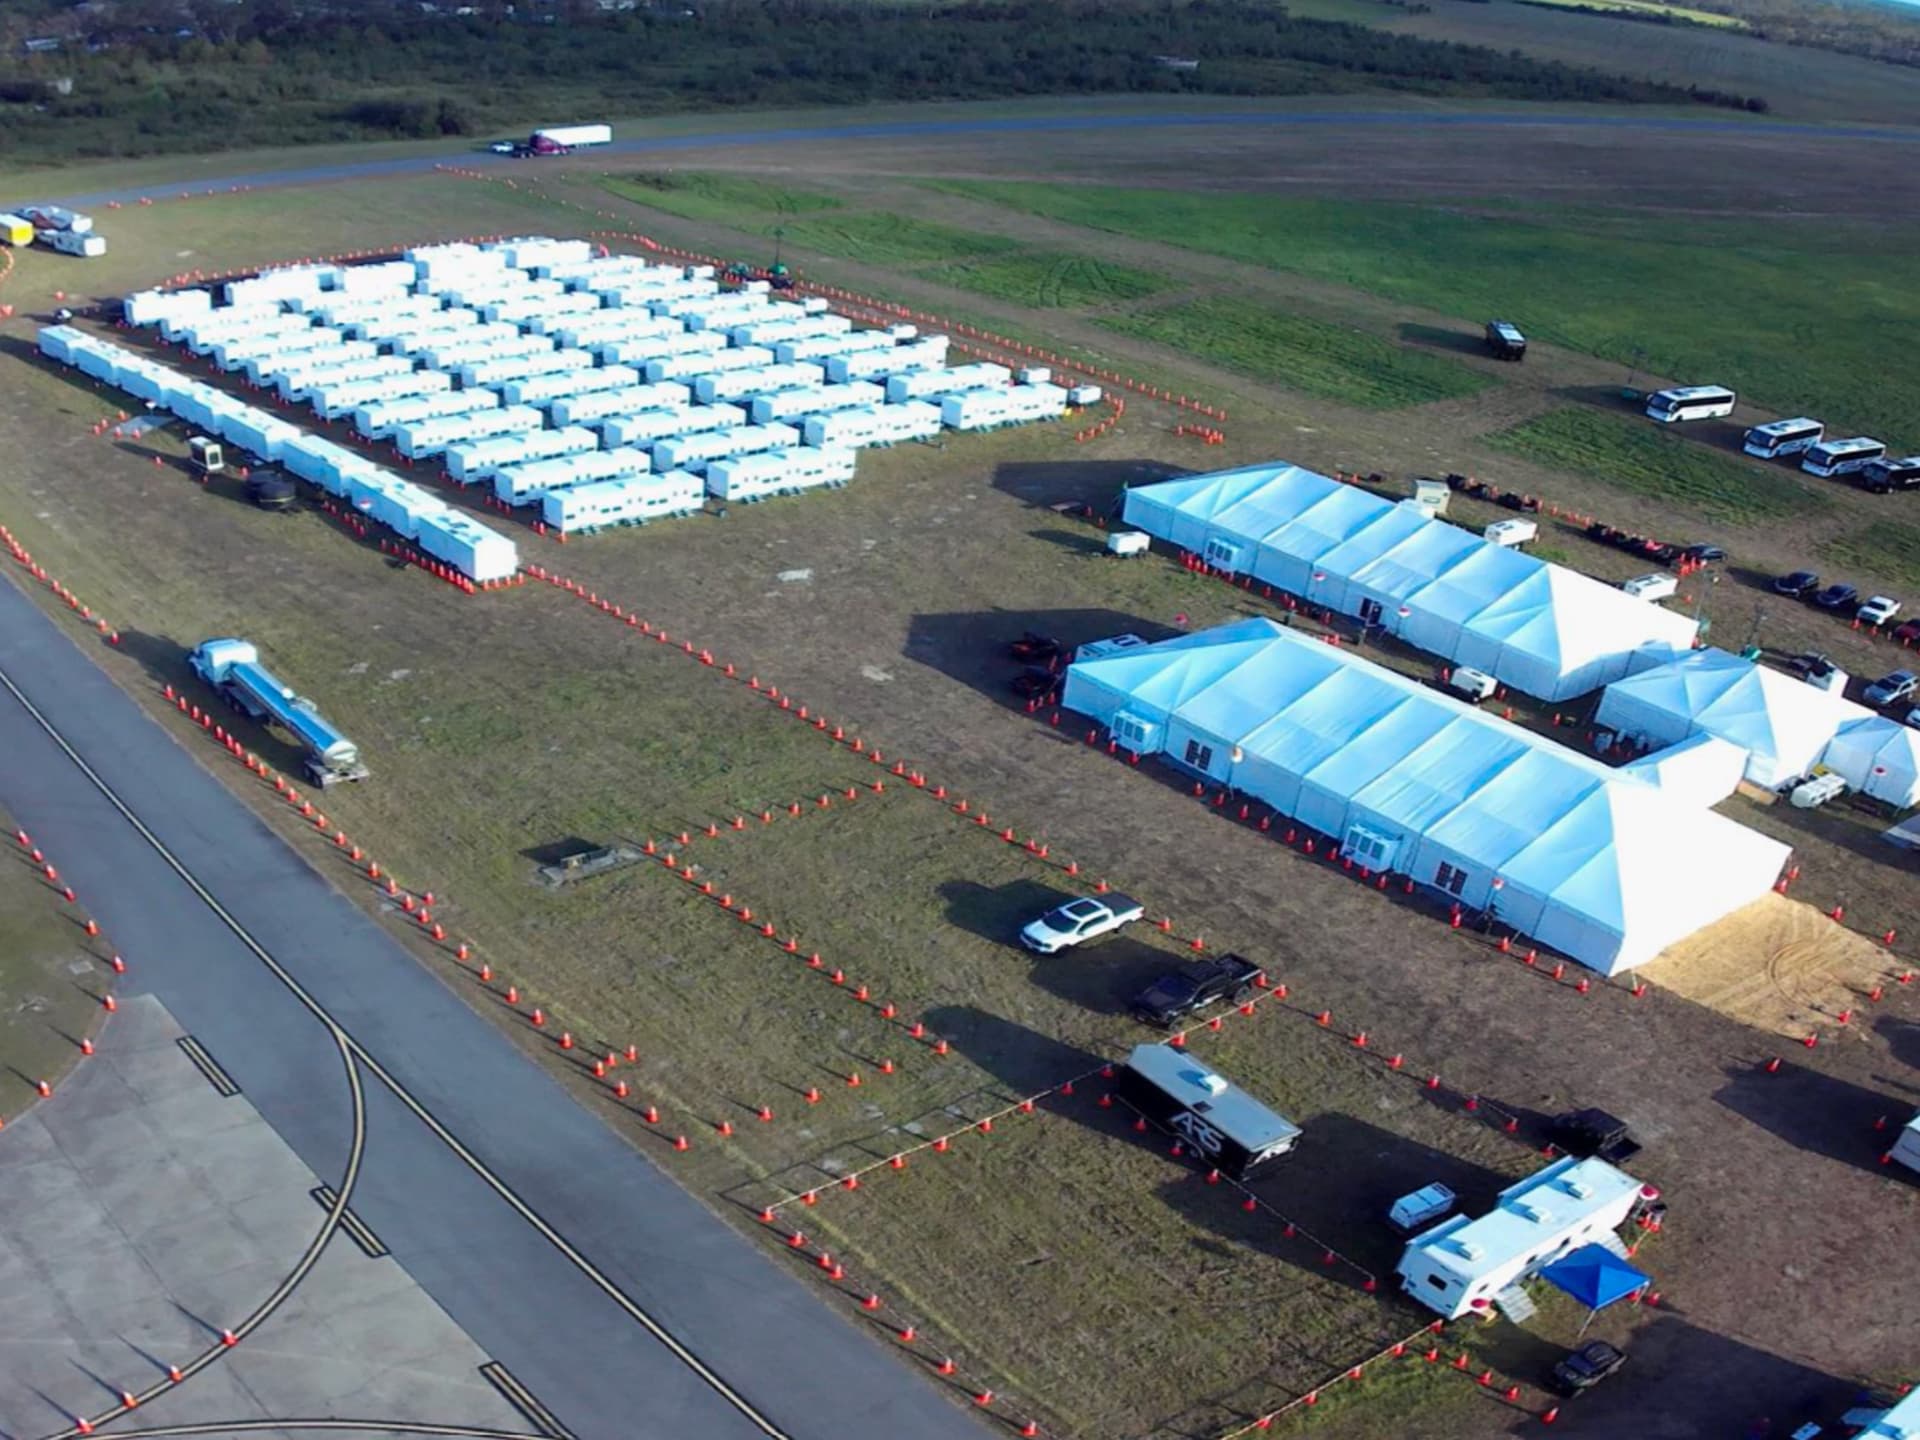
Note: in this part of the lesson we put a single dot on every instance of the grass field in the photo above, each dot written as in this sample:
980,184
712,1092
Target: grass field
1889,548
1042,280
51,978
1336,362
707,195
1643,8
1638,456
1620,286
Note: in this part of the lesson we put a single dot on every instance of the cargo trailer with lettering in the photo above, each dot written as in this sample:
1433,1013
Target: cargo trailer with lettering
629,500
1218,1124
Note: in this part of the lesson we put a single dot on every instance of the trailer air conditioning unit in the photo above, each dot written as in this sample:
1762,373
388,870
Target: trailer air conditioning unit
1222,555
1139,735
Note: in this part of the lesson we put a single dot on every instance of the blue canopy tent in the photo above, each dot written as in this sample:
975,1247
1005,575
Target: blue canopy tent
1596,1277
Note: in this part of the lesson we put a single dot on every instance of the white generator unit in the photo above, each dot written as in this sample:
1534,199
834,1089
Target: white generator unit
746,478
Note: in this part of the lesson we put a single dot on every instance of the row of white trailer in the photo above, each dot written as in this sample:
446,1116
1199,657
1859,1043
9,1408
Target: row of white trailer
481,554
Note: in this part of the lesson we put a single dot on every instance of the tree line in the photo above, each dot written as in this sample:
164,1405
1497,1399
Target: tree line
263,72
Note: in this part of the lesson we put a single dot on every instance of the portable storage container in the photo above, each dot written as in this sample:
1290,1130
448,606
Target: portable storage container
596,405
690,452
481,554
881,425
693,364
778,472
478,460
519,484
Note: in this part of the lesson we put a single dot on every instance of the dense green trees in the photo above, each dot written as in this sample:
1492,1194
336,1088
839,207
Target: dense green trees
267,72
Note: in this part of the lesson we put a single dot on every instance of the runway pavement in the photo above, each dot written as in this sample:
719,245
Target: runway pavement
628,1309
922,129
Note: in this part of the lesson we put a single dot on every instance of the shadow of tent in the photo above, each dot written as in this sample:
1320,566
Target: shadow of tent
997,912
1903,1039
971,646
1087,482
1018,1057
1818,1113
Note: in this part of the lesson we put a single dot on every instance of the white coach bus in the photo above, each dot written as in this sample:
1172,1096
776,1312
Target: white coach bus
1782,438
1842,457
1690,402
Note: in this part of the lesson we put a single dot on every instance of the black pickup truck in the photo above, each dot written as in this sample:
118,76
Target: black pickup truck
1587,1133
1192,987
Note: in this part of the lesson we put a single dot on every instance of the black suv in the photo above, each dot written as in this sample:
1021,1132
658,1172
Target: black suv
1587,1367
1192,987
1800,584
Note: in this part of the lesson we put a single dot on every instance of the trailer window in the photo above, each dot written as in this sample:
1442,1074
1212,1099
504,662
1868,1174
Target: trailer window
1449,879
1199,756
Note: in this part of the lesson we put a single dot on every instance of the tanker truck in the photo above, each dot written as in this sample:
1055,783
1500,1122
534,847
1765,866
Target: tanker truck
233,668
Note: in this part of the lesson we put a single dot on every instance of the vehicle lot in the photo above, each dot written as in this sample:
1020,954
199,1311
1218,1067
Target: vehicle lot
1075,1263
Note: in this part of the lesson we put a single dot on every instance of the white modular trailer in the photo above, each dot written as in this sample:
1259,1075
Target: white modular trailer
478,460
644,290
533,252
495,372
779,472
150,307
378,421
739,384
726,312
581,274
629,500
425,438
214,325
558,311
519,484
933,384
333,402
299,383
226,341
293,283
823,347
639,349
690,452
481,554
927,354
397,504
801,327
383,278
815,400
257,432
1005,405
720,302
83,243
319,460
597,405
544,389
647,426
482,342
693,363
603,327
145,381
881,425
329,349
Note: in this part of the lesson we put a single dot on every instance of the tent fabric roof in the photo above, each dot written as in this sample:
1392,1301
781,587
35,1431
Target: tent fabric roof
1878,756
1627,867
1595,1276
1784,724
1549,631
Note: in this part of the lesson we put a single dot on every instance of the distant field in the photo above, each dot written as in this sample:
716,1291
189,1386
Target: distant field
1702,300
1048,280
1334,361
1885,547
724,199
1634,455
1644,8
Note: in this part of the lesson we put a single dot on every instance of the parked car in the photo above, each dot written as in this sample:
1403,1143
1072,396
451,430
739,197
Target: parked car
1836,597
1895,685
1878,610
1078,921
1809,664
1702,554
1194,986
1913,717
1907,632
504,147
1420,1209
1587,1367
1799,584
1032,682
1034,646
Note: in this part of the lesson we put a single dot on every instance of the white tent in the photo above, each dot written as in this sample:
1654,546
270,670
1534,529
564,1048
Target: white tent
1878,757
1702,770
1784,724
1548,631
1595,862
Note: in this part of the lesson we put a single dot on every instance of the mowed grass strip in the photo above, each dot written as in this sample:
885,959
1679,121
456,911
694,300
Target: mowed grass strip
720,198
1333,361
1641,9
882,239
1885,547
1638,456
1048,279
1704,300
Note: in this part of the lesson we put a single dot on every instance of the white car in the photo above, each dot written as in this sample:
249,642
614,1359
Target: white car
1078,921
1878,610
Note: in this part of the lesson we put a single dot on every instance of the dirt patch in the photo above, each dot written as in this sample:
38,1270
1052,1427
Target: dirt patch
1778,965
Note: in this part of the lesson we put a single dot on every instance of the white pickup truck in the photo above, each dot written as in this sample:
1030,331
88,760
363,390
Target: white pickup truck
1078,921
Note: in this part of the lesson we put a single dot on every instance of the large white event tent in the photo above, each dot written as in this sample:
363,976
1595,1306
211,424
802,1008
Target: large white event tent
1545,630
1784,724
1596,863
1878,757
